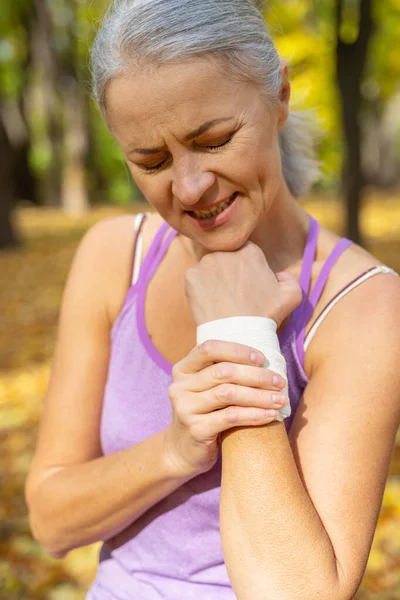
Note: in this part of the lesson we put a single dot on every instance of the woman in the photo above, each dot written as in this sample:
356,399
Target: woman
197,98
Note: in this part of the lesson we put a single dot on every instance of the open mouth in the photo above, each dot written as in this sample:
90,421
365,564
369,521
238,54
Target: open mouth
216,210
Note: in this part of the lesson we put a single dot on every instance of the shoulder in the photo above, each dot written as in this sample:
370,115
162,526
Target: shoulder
370,308
112,241
354,261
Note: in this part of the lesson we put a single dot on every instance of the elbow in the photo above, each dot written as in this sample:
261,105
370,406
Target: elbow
55,554
45,531
42,522
51,543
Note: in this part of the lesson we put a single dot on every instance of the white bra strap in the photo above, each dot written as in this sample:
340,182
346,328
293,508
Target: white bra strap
327,310
137,258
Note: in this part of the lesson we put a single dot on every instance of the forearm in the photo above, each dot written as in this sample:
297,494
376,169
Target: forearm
94,501
284,550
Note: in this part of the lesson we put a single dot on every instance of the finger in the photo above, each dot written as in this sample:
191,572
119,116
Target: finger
229,394
290,291
224,372
285,277
234,416
212,351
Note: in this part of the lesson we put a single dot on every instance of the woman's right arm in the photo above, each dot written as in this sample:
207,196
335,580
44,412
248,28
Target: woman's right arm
75,495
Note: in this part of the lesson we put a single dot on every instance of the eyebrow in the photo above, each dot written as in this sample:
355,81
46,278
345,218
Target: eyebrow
199,131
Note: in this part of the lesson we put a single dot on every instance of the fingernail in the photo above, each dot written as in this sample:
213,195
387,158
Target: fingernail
279,398
278,381
272,413
257,357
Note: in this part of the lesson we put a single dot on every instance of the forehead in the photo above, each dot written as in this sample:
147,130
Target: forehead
179,95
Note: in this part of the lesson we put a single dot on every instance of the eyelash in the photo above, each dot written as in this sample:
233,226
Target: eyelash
216,148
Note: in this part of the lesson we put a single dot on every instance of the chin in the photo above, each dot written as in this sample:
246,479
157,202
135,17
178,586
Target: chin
229,244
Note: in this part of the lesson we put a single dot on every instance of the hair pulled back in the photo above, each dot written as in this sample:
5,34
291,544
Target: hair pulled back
140,33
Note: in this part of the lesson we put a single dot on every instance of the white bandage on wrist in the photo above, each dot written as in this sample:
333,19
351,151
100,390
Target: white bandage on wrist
256,332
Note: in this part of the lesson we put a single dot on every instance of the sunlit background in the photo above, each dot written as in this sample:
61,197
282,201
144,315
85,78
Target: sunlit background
60,172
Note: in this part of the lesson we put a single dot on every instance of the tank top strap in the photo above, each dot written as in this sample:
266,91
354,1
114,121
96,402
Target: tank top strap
157,251
330,262
316,293
151,255
310,251
309,255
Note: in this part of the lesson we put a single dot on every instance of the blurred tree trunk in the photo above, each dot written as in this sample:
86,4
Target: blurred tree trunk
46,101
16,179
16,128
351,61
381,127
8,235
74,194
26,183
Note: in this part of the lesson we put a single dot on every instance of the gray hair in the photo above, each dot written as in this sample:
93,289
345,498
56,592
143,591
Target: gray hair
138,33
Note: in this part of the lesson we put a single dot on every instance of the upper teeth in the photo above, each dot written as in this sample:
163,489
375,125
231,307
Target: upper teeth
213,211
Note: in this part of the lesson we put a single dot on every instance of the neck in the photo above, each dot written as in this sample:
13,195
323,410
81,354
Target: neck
281,233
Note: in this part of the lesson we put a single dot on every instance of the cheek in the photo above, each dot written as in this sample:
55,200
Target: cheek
270,159
152,189
259,165
260,148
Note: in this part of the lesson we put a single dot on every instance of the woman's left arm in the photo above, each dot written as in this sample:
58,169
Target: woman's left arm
298,513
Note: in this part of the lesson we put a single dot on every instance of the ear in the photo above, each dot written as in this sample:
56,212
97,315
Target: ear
284,95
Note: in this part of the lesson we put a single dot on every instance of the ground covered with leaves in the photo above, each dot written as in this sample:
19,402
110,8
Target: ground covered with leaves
32,279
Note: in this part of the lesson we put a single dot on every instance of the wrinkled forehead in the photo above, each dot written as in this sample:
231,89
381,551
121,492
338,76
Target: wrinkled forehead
176,95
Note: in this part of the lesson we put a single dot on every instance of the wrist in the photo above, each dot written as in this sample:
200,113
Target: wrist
255,332
175,467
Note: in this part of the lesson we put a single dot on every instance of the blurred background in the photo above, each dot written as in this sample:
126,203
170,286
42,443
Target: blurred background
60,172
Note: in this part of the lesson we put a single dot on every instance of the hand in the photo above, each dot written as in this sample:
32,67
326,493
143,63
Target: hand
216,387
241,283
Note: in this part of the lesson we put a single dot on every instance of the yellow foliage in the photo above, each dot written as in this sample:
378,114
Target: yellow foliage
29,306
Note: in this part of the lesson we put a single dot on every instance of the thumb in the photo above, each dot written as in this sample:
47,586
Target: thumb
283,276
290,289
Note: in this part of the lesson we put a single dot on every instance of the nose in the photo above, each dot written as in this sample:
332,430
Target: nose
190,181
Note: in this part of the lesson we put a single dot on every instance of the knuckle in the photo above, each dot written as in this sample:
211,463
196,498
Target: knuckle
232,414
211,258
206,348
175,393
189,275
222,371
176,369
172,391
254,251
298,294
224,393
197,431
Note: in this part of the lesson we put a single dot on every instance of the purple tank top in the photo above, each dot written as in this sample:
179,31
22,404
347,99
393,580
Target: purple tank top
175,552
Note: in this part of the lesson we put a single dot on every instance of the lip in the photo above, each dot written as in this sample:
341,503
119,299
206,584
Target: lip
210,206
214,222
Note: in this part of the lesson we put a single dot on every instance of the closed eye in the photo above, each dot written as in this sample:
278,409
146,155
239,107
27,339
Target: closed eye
159,166
225,143
153,169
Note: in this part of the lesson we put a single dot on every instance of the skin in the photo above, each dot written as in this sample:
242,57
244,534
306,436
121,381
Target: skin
294,504
262,465
148,112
